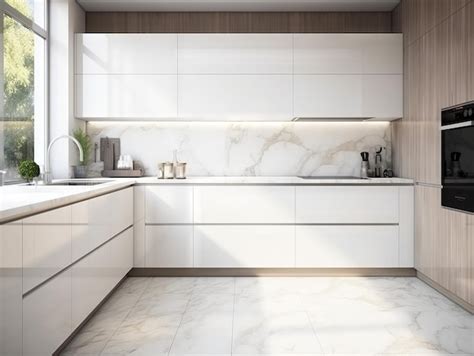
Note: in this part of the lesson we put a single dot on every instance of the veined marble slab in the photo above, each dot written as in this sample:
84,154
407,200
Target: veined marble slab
249,148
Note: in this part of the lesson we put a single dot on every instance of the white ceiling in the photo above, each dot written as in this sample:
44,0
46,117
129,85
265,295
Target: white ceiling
239,5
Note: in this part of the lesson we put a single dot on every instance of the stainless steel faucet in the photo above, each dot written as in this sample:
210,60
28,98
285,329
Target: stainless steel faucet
47,175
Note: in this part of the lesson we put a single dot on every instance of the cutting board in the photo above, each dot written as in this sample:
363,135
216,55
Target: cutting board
109,152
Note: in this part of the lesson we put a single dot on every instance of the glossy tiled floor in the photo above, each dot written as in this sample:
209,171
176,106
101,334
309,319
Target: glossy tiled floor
281,316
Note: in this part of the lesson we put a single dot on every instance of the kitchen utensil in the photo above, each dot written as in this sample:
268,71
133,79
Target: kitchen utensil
364,168
180,170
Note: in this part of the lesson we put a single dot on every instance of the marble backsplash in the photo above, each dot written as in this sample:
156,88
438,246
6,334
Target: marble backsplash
250,149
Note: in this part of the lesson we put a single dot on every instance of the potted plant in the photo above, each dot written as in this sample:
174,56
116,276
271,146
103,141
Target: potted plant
28,170
80,171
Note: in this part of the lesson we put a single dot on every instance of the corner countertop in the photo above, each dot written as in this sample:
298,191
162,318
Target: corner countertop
20,201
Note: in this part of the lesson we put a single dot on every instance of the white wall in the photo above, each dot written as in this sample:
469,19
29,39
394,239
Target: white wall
66,18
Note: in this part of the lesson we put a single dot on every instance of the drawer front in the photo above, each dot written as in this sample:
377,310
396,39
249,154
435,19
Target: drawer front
244,204
11,288
347,246
169,205
46,246
169,246
97,220
347,205
97,274
244,246
47,316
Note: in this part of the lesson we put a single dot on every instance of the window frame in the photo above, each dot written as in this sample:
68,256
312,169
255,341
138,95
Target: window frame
30,24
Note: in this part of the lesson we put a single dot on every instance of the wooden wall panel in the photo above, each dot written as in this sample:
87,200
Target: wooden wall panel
237,22
439,72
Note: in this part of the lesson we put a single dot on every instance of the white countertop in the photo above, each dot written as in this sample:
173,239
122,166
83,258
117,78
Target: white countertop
274,181
19,201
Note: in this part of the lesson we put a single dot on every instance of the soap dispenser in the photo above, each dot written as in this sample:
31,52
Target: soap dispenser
378,163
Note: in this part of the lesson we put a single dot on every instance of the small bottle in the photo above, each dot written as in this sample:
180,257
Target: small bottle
378,163
364,168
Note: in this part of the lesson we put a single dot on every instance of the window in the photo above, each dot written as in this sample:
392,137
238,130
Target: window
22,83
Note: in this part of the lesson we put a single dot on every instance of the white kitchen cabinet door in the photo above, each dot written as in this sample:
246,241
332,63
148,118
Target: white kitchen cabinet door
97,220
46,246
126,96
169,246
348,53
235,54
244,204
169,205
47,316
328,96
234,246
139,202
348,96
407,226
98,273
11,288
347,246
347,205
107,53
382,96
235,97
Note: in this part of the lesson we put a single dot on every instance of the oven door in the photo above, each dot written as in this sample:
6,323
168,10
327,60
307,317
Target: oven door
458,166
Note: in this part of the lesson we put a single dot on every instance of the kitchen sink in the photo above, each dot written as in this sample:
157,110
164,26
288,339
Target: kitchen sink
81,183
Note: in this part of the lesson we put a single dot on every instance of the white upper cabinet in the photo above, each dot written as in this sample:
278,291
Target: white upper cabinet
235,54
348,54
348,96
235,97
126,53
126,96
238,77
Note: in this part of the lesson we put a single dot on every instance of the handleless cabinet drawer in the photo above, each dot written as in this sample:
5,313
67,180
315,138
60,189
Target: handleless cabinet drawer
96,220
347,246
169,246
11,288
244,204
47,316
46,246
97,274
169,205
234,246
347,205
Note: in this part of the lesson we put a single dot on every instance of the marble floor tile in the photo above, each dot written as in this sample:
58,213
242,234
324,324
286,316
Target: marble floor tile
276,317
215,285
286,332
206,327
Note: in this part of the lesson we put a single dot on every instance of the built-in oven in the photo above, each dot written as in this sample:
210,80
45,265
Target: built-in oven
457,142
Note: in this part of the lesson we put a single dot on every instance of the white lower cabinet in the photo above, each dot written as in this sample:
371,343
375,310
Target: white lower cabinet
347,246
46,246
98,273
244,246
169,246
93,223
47,316
11,289
347,205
